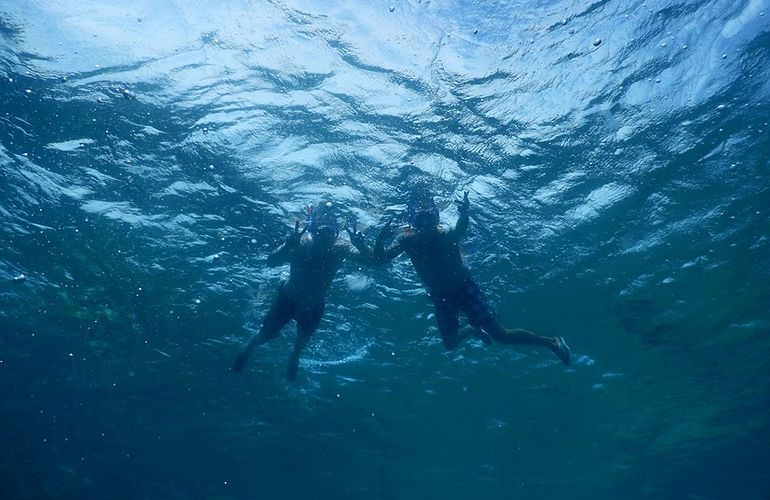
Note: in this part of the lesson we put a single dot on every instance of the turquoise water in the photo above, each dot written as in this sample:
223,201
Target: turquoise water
152,153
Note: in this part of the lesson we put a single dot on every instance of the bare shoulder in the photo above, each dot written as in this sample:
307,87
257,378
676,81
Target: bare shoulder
343,249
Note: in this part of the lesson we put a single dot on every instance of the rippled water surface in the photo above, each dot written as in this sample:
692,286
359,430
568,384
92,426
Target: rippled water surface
152,153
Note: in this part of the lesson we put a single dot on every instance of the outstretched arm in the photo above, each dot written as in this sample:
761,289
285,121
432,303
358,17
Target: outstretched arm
462,222
381,254
283,253
361,253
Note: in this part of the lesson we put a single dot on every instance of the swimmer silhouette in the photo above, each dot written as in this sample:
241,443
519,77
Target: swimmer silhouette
314,255
435,255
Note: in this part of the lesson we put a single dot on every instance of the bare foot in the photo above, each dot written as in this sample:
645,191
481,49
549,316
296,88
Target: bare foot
561,349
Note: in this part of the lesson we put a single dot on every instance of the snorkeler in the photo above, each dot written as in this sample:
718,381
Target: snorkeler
435,255
314,259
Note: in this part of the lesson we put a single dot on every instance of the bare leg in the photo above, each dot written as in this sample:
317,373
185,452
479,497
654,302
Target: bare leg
276,318
519,336
303,337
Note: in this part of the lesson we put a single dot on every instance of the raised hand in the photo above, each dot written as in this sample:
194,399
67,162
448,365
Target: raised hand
356,238
387,229
294,238
463,205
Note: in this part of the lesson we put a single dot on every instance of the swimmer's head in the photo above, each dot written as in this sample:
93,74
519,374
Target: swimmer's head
422,212
322,223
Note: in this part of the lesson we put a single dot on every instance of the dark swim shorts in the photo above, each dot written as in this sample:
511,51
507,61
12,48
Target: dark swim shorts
468,298
284,309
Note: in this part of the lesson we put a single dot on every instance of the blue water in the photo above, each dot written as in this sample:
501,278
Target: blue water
152,153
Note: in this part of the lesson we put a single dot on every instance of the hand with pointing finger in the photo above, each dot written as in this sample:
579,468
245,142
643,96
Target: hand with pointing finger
294,238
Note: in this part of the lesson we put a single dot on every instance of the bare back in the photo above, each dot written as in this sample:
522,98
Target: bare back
437,260
312,271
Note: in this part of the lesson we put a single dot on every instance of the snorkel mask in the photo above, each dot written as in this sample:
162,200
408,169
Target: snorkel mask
422,214
322,223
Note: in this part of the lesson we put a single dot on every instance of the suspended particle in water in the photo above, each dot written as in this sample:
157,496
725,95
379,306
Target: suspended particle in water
684,46
211,167
216,256
721,106
597,42
657,80
724,56
476,32
138,19
19,279
563,22
391,8
663,44
28,91
329,180
572,31
197,301
253,241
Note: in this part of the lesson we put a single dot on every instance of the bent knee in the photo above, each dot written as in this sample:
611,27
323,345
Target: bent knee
269,332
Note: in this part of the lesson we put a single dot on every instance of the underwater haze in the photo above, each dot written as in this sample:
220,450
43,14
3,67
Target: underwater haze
616,155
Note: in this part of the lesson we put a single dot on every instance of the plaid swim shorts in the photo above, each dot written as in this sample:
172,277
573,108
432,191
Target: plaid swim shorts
469,299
